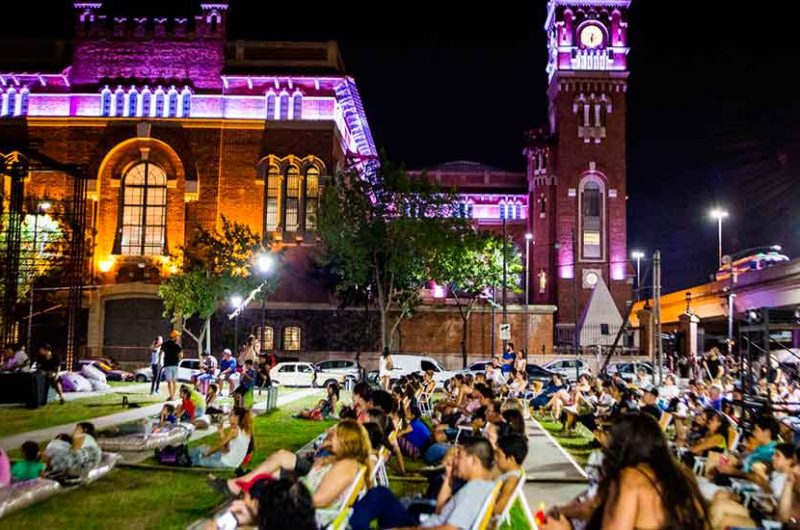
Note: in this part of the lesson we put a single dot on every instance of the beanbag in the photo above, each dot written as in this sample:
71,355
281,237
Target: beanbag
99,386
93,373
74,382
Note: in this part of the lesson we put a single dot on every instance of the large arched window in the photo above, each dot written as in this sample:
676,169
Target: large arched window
292,199
284,105
144,210
272,205
312,198
271,106
592,213
267,338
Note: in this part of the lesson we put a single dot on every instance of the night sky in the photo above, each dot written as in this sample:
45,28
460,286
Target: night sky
712,113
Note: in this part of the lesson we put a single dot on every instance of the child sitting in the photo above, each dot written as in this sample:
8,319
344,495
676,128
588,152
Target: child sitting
511,452
325,407
167,415
246,383
29,468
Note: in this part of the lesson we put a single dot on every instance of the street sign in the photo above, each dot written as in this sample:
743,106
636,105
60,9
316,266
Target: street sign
505,331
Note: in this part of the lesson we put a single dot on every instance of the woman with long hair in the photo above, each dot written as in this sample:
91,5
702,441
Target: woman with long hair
716,437
328,478
642,487
233,444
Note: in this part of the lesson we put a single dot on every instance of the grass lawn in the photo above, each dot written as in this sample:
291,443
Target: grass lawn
140,499
20,419
577,443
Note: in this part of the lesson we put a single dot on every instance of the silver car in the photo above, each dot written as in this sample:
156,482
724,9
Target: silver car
339,367
570,369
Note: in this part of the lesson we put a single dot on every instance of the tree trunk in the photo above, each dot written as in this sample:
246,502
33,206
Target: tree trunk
464,330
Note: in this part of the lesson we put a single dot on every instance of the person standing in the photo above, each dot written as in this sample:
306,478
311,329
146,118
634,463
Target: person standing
172,356
50,364
156,360
385,368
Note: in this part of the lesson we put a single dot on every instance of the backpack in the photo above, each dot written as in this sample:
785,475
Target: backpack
174,455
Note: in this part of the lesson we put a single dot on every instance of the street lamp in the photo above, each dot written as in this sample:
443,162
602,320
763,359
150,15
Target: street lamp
638,255
40,209
264,262
719,214
236,303
528,239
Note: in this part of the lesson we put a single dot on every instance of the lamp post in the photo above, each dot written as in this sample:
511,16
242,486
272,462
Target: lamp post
638,255
528,239
236,303
719,214
40,208
264,263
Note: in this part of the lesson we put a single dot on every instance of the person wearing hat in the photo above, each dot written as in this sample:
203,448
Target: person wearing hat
172,356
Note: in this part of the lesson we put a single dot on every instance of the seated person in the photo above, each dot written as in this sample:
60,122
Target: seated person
782,463
439,447
60,445
227,371
325,407
84,454
510,453
246,383
209,366
192,408
31,466
328,478
650,403
167,415
50,364
5,470
415,442
211,400
17,360
716,435
473,463
284,503
765,432
233,444
547,392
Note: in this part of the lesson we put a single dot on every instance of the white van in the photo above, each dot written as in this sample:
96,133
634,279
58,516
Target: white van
409,364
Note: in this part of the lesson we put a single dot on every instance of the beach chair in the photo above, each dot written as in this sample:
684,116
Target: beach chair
337,519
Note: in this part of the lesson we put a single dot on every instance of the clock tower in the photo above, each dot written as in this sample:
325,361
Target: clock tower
577,165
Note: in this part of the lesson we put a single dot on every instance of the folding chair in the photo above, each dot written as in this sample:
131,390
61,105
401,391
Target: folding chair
518,495
485,515
337,519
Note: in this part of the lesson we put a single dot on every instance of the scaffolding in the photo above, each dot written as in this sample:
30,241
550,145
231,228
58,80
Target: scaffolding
20,263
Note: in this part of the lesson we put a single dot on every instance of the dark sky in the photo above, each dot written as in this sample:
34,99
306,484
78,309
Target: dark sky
713,117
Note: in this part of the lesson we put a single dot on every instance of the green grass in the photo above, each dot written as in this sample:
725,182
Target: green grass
141,499
19,419
576,444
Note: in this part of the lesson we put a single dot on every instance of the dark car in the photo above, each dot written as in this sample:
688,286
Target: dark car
538,373
104,365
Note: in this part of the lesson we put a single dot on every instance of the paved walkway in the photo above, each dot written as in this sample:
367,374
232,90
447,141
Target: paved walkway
553,475
103,422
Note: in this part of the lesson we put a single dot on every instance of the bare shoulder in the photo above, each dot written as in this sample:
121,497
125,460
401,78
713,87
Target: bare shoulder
636,476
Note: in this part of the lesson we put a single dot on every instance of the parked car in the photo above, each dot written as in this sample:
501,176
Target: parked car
187,369
628,369
409,364
475,368
350,369
569,368
302,374
104,365
534,371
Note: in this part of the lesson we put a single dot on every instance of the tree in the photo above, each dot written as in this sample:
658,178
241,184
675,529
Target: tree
382,232
215,265
472,268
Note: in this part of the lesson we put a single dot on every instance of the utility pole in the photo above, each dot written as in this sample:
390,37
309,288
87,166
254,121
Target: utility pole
658,353
505,274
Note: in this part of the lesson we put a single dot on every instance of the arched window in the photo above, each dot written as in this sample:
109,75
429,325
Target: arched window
146,97
267,339
291,338
160,97
271,106
133,101
292,201
11,102
297,106
119,102
592,210
284,100
105,102
23,101
312,198
503,210
272,210
186,103
144,211
173,103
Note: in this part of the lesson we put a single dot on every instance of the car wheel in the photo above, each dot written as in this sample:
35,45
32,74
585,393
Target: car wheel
141,378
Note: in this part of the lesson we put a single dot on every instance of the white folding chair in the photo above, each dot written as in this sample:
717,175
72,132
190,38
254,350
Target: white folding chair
518,495
337,519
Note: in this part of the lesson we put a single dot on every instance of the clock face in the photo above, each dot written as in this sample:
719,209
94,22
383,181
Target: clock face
591,278
592,36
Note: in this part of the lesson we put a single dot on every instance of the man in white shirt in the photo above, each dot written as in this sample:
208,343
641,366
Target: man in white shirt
495,375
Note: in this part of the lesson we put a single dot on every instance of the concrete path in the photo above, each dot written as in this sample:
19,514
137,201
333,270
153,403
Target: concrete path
103,422
553,475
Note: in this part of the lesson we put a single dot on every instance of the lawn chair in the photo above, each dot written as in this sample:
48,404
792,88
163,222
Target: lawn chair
337,519
424,402
379,475
518,495
485,515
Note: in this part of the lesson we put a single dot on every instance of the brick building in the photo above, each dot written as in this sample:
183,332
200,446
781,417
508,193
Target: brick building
178,126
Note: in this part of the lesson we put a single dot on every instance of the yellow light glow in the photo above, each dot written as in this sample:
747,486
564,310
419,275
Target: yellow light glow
106,264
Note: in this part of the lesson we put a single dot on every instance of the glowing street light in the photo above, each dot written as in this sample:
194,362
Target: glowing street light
719,214
638,255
